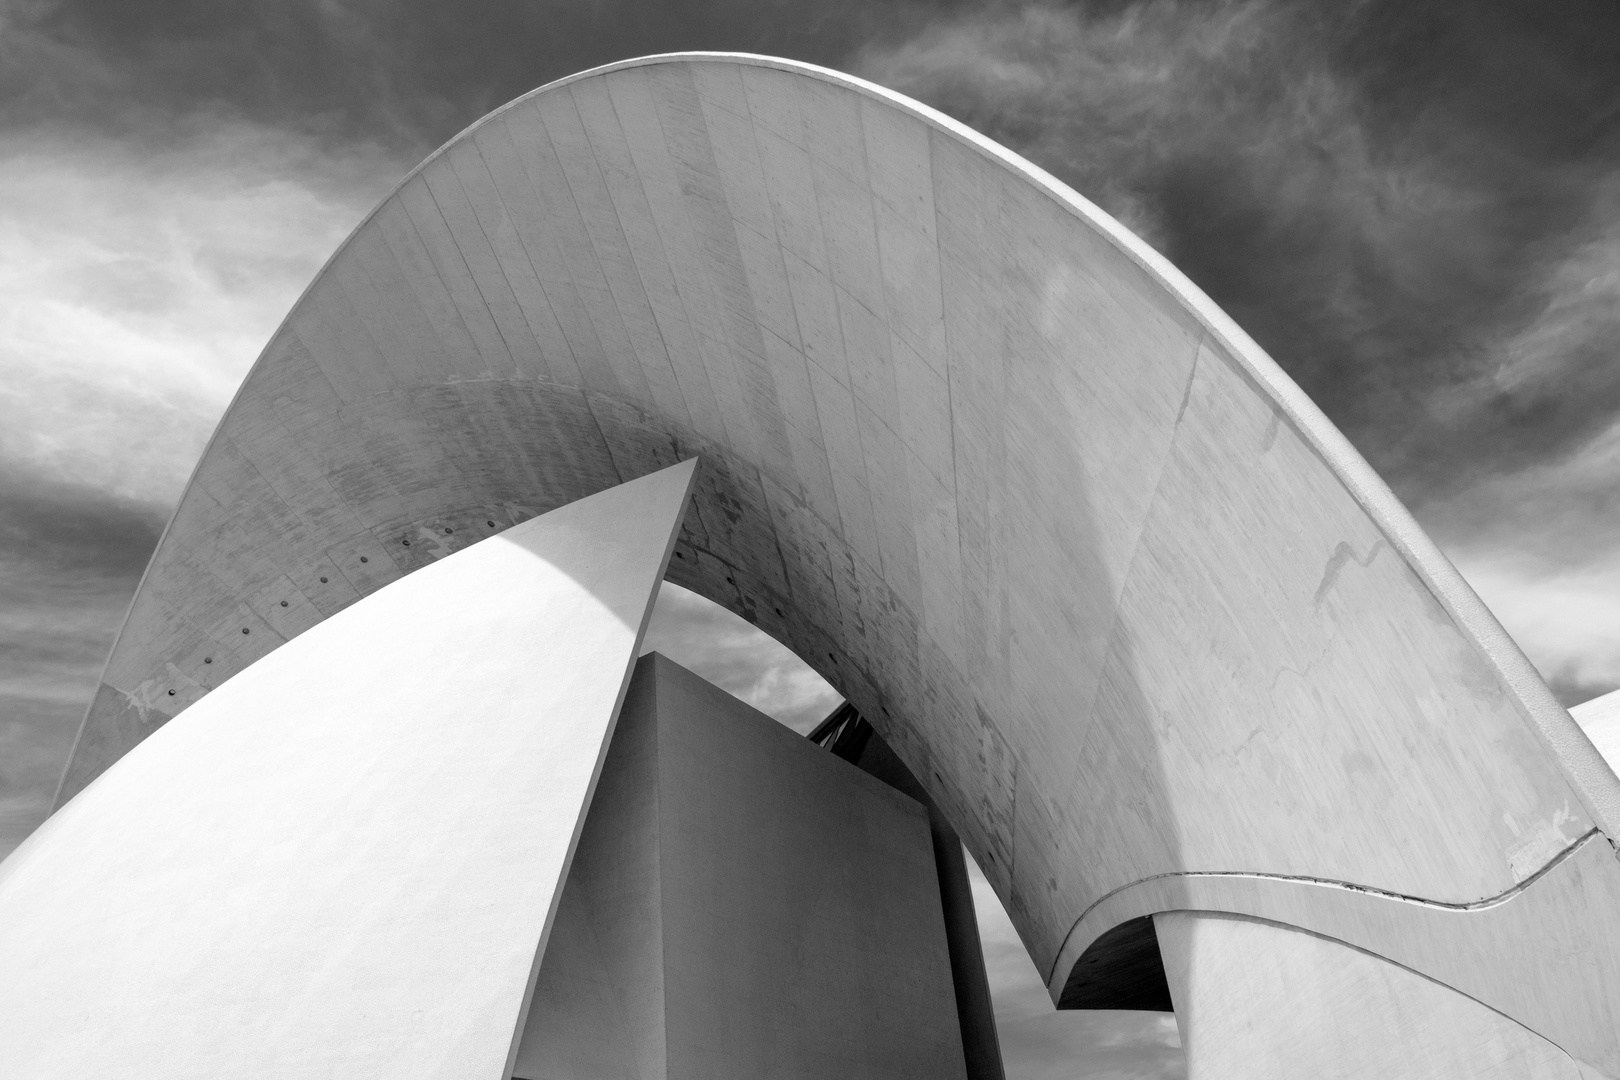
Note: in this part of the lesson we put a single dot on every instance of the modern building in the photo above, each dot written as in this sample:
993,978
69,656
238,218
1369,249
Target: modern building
1223,728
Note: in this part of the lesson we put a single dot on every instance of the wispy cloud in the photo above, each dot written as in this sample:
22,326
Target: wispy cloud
408,73
1566,620
1412,207
728,651
137,284
136,288
1424,274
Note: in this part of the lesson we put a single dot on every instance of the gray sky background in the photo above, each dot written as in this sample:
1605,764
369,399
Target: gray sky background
1414,205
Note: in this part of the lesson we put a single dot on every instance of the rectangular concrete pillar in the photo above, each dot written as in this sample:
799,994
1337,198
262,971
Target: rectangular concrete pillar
742,904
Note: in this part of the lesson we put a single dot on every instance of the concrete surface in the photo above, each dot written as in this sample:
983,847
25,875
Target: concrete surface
345,861
1540,953
1118,594
743,904
1254,999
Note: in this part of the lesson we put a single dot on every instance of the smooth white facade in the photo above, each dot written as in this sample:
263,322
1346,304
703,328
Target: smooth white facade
345,861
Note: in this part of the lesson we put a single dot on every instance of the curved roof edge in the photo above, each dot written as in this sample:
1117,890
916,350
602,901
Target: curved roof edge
1596,784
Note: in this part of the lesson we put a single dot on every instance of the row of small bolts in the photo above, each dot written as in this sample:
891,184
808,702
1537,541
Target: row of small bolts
407,543
447,532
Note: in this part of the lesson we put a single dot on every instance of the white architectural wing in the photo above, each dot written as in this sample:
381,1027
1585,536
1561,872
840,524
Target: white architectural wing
346,860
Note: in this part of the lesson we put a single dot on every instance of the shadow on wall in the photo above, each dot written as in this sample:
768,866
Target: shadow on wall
1091,797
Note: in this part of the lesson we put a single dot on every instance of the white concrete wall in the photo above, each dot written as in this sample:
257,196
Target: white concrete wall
1255,999
599,1005
776,903
345,861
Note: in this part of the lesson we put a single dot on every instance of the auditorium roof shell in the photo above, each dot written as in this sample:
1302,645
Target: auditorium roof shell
1121,596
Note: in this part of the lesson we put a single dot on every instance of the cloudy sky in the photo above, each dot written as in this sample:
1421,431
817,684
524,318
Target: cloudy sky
1414,205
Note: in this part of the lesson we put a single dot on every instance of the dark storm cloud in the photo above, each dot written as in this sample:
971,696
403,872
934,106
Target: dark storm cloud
69,559
54,527
1410,205
411,73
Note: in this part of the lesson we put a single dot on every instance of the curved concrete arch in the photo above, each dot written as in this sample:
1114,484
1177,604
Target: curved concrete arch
1124,600
1538,954
1387,1021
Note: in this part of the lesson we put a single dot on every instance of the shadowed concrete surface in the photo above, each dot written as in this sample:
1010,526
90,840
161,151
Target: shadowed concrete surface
345,861
848,736
1124,602
742,904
